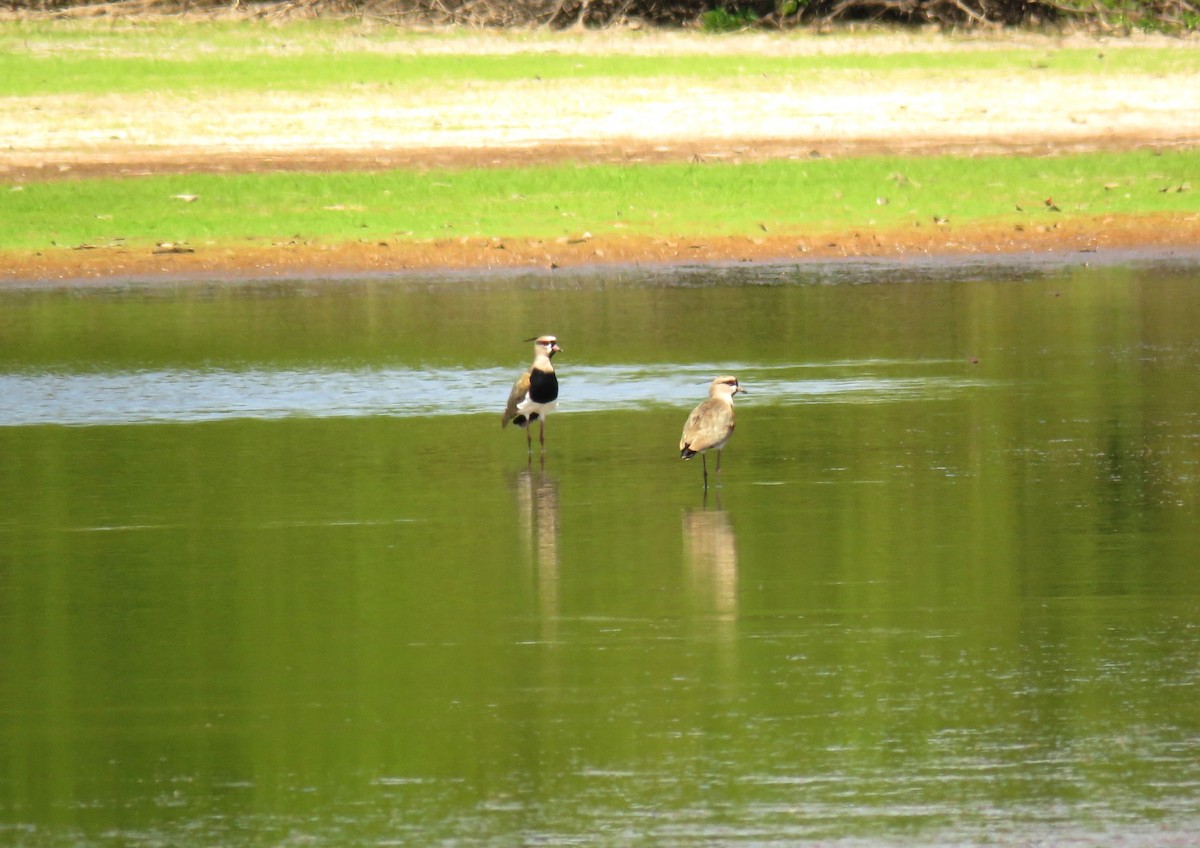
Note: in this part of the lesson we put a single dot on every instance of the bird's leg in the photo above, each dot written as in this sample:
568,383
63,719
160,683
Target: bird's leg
528,439
542,432
704,463
718,466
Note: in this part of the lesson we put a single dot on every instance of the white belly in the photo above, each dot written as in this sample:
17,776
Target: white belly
529,407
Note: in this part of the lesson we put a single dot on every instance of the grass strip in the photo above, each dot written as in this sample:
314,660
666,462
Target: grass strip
44,59
74,74
810,196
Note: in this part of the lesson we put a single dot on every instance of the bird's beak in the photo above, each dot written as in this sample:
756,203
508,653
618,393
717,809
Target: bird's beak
741,389
555,349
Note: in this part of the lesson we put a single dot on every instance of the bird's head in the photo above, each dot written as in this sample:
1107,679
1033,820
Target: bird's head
725,387
545,345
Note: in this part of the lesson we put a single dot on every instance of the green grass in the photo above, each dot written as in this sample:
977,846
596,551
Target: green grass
48,59
192,58
565,200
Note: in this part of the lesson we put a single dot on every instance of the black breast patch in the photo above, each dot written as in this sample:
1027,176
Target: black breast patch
543,386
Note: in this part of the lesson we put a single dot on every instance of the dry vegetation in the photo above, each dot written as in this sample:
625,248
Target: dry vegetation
1109,16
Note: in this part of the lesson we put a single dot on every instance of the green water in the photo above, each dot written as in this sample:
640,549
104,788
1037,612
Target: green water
271,573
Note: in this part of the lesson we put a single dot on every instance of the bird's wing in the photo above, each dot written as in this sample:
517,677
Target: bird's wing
708,424
691,429
520,391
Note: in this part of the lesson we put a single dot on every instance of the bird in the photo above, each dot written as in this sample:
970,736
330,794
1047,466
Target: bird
711,423
535,393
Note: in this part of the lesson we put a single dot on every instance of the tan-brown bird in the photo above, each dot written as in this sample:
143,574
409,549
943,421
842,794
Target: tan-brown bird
535,394
711,423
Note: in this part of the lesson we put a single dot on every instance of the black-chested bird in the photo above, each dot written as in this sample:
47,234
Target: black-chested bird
535,394
711,423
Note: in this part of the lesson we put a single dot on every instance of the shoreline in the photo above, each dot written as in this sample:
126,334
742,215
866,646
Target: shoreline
108,265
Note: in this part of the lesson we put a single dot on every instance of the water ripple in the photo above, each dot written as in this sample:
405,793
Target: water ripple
133,397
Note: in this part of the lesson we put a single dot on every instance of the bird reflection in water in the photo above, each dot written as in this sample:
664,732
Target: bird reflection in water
711,560
537,518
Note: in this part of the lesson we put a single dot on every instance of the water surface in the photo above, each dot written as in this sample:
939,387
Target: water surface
271,573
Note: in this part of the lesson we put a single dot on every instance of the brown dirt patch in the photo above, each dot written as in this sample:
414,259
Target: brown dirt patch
125,162
108,264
